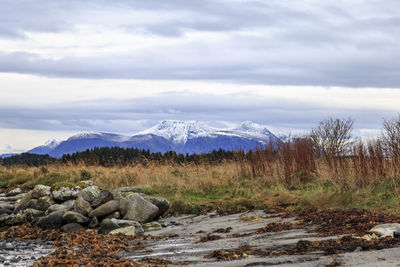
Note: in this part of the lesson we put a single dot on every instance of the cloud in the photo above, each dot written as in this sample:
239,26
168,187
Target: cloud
135,114
309,42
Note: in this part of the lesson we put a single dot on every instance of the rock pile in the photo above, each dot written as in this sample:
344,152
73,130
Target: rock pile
83,205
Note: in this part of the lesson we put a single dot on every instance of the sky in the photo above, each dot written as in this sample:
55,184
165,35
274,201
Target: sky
71,66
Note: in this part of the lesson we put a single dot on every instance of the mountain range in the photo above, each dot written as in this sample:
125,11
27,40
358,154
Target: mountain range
170,135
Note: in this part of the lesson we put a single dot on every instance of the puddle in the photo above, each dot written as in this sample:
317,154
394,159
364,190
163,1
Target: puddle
23,253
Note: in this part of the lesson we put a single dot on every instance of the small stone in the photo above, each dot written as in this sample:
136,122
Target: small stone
9,246
88,182
119,190
129,230
151,226
107,225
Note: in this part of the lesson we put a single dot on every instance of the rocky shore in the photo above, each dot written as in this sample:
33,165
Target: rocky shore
73,207
83,225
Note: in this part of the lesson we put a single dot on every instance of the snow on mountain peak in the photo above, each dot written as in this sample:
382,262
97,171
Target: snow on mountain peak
180,131
52,143
253,129
105,136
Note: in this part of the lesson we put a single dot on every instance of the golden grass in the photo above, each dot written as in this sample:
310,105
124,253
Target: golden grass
259,181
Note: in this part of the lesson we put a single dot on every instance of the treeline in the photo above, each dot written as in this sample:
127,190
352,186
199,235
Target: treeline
117,156
28,159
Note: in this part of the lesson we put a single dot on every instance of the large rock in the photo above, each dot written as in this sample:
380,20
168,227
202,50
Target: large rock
13,219
75,217
69,203
42,203
107,225
7,206
72,227
23,202
90,193
14,192
93,223
129,230
53,220
57,207
115,215
5,211
66,193
82,206
102,198
41,191
32,214
105,209
162,204
139,209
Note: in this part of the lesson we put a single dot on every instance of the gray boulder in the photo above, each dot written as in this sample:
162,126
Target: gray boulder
7,206
72,227
105,209
43,203
139,209
57,207
75,217
23,202
69,203
14,192
102,198
107,225
66,193
41,191
13,219
5,211
53,220
162,204
93,223
115,215
32,214
82,206
90,193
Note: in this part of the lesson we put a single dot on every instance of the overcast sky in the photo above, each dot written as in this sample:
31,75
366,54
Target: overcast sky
69,66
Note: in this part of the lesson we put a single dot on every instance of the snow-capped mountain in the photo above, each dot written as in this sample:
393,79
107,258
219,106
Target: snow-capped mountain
46,148
179,131
180,136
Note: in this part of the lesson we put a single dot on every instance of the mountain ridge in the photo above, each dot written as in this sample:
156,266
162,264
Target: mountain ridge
180,136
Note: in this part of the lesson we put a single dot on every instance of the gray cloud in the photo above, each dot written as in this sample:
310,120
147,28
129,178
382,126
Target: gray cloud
309,42
132,115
